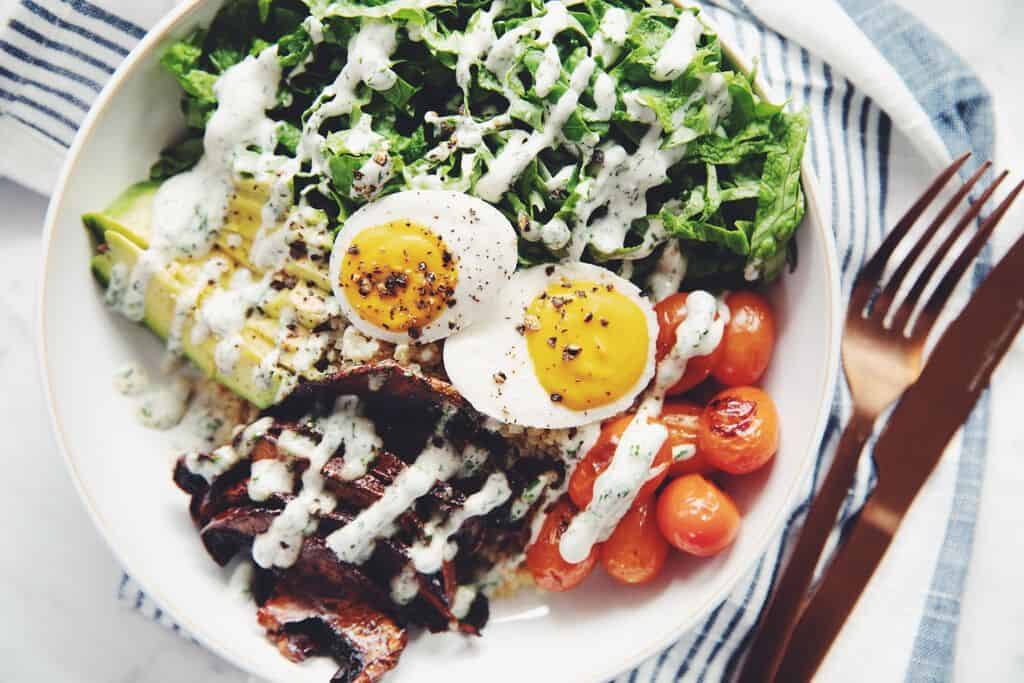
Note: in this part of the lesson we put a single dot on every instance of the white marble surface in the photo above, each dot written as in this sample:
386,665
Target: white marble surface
57,579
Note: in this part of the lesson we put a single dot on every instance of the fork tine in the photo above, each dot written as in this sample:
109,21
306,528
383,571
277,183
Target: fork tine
949,282
892,287
906,309
874,268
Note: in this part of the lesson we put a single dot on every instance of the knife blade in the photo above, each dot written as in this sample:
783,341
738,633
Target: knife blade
909,449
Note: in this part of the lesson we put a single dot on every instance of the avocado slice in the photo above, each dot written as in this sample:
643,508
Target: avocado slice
161,297
129,215
122,232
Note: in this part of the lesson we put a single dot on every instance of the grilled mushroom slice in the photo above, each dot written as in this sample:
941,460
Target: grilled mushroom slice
365,642
320,604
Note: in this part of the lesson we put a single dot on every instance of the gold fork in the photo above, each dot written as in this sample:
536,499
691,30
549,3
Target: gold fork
881,361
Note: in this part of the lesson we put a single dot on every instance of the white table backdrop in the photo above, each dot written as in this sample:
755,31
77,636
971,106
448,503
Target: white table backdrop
59,620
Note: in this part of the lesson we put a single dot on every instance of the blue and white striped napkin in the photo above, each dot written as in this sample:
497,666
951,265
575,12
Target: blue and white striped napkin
902,103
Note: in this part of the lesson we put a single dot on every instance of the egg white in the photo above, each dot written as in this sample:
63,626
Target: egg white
493,345
480,238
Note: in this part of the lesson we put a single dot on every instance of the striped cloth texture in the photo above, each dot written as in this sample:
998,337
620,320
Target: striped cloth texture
55,56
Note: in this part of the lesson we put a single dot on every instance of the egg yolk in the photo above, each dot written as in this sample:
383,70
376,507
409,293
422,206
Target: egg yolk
399,276
589,343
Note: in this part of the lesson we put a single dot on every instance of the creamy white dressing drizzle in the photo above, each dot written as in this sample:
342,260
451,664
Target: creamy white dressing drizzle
573,444
560,180
369,63
185,304
347,425
223,314
680,49
131,379
548,71
507,49
752,272
611,35
344,428
189,209
479,36
354,542
371,177
464,598
473,459
405,586
267,369
683,452
669,272
211,466
605,97
270,476
315,28
309,351
270,249
357,348
521,148
359,139
530,495
637,109
715,91
280,545
428,555
621,187
617,487
555,234
163,407
377,11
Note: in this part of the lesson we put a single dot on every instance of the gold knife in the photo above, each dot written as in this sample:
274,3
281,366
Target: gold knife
907,452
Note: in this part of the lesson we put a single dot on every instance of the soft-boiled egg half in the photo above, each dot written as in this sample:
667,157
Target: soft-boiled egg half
563,346
418,266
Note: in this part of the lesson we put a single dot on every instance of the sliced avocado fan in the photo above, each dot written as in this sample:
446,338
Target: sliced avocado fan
121,233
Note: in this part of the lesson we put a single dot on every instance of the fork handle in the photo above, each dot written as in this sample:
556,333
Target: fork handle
790,595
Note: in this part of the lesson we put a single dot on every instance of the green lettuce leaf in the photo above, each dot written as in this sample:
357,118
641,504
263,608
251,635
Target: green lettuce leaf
178,158
371,9
780,205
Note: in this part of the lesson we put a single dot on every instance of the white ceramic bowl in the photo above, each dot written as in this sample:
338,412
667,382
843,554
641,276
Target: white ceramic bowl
123,471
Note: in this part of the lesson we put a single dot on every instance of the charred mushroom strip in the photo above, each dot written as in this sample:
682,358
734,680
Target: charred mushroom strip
366,643
349,456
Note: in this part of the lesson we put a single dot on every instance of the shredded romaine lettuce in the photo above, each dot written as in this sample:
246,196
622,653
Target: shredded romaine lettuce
602,130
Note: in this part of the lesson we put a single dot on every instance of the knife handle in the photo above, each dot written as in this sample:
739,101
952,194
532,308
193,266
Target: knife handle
847,577
781,613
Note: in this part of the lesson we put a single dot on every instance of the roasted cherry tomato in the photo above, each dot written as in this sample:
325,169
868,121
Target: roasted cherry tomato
739,430
636,550
746,348
671,312
597,459
696,517
544,559
683,422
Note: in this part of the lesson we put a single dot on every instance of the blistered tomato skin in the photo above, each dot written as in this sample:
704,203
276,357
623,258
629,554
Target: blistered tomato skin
671,312
697,517
599,457
739,430
748,342
635,553
544,559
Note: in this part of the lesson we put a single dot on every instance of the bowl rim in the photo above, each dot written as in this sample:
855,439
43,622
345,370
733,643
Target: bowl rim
153,40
